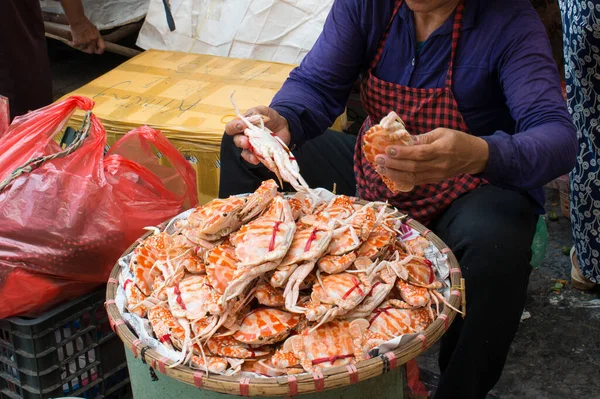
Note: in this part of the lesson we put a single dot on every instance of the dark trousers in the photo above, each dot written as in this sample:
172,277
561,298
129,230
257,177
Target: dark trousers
25,76
490,230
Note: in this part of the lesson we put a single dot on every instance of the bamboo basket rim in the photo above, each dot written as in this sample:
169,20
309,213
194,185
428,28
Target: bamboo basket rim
287,386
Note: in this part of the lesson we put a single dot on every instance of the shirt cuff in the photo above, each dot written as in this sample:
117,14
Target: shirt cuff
500,163
297,134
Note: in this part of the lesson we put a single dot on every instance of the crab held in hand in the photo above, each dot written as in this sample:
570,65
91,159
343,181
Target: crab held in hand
272,151
389,131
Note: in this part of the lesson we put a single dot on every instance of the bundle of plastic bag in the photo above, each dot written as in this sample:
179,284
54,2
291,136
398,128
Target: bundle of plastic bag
66,219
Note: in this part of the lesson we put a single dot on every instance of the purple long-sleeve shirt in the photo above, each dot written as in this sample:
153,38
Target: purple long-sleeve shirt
506,82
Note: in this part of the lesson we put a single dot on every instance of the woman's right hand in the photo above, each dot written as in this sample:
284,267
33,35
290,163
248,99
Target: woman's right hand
276,123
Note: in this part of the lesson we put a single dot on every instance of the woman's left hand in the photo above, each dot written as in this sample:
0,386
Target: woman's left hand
438,155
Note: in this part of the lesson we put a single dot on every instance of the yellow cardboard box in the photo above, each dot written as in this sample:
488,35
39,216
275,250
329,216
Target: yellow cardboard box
186,96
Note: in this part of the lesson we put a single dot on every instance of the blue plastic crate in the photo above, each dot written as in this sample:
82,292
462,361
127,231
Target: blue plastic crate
69,351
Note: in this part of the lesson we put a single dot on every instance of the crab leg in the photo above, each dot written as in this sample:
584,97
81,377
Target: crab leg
185,355
292,289
282,275
289,173
327,317
441,297
244,278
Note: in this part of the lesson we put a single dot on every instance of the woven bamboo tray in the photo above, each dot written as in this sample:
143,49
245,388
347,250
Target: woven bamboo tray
329,378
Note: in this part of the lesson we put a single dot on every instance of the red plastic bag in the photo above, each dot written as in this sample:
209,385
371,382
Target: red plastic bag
416,387
64,225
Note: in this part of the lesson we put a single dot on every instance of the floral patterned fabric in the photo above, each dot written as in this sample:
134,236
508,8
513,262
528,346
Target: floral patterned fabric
581,41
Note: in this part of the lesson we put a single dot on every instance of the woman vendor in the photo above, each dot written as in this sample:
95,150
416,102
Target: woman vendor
477,82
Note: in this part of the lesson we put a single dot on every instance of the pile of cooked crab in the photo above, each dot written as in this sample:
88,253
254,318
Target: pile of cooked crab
278,284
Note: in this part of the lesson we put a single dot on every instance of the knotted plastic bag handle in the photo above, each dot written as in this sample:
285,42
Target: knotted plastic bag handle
36,162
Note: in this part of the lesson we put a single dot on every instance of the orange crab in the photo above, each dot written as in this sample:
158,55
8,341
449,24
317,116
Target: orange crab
364,220
354,230
336,343
335,295
212,364
261,245
266,326
266,239
377,244
308,244
151,250
417,246
266,368
135,298
383,279
166,327
284,359
212,221
390,131
258,201
418,296
340,207
302,204
414,269
268,295
194,298
228,346
221,264
183,255
221,217
417,283
179,259
395,317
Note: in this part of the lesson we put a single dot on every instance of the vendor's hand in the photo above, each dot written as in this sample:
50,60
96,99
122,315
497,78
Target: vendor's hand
438,155
86,37
276,123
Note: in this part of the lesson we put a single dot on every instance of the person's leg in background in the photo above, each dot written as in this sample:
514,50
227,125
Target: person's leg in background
25,76
323,161
581,41
490,231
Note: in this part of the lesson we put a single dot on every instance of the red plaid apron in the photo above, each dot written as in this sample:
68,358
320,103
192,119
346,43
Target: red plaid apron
422,110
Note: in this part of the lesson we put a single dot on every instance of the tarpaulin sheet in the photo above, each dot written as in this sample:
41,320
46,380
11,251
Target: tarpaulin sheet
106,14
268,30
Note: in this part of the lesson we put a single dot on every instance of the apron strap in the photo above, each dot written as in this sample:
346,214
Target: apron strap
381,44
458,19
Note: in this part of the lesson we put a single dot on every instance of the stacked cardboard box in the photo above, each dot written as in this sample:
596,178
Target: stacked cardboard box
186,96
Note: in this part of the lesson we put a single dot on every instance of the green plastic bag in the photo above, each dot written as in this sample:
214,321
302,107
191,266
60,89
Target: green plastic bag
540,243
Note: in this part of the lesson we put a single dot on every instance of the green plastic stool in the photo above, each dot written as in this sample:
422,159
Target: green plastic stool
391,385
